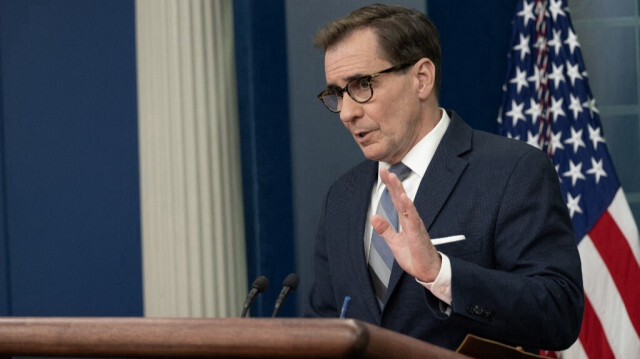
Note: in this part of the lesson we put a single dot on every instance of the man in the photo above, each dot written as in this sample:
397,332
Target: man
484,242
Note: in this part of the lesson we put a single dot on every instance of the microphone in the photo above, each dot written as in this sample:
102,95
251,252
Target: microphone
288,285
259,285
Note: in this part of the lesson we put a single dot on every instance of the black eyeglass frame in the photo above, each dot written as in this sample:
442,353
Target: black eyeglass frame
339,92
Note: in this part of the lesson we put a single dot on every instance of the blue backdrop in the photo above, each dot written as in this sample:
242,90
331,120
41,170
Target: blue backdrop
70,200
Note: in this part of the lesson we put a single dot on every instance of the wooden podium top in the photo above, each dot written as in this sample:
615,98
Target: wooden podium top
208,337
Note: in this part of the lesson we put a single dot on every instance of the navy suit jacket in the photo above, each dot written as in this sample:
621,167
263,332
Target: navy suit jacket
516,276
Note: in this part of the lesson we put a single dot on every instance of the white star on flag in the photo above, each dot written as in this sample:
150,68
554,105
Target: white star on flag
572,41
596,169
594,136
556,108
540,42
556,42
516,112
573,204
532,139
555,8
575,140
575,172
520,79
534,110
523,47
591,105
527,13
535,78
556,143
573,72
557,75
575,106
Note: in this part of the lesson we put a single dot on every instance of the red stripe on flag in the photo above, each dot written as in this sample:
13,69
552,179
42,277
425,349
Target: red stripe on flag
592,337
617,255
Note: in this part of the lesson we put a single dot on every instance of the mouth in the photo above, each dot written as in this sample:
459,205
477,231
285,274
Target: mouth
362,135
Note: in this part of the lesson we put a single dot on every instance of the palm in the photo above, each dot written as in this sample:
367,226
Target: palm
411,247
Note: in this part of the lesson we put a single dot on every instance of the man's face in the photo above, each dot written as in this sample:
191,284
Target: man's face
390,124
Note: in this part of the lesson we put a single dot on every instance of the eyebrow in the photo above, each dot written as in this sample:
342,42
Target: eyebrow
348,79
331,87
356,76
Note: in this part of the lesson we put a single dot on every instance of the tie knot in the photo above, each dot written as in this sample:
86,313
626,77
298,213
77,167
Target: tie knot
400,170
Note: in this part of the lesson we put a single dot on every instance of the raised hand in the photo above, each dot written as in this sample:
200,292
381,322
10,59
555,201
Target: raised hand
411,247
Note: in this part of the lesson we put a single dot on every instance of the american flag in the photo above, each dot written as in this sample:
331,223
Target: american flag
548,103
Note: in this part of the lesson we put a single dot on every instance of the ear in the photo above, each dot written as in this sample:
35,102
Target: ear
426,76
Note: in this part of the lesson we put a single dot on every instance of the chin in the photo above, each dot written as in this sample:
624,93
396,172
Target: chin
373,155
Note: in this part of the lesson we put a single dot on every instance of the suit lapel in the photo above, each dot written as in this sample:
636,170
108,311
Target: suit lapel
445,169
361,190
439,180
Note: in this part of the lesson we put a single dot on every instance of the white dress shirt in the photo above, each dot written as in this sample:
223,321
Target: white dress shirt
417,159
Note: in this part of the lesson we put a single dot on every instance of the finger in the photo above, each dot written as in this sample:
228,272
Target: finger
382,227
409,217
395,188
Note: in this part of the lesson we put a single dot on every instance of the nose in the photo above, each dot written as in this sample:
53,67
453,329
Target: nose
351,110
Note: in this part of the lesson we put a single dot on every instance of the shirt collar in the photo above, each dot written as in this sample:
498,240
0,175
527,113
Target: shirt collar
419,157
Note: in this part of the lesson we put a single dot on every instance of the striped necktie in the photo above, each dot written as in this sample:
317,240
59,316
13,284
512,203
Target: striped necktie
380,256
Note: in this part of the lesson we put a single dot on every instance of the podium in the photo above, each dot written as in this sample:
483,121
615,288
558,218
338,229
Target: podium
208,337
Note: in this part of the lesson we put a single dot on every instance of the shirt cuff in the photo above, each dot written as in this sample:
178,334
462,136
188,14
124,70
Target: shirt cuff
441,286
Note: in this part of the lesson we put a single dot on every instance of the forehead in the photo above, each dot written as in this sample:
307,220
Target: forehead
356,55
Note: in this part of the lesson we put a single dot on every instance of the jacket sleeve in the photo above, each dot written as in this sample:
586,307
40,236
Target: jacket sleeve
533,295
321,302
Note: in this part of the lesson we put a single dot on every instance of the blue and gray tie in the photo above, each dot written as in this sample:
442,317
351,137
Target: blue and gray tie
380,256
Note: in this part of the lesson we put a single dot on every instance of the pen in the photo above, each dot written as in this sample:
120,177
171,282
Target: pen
345,306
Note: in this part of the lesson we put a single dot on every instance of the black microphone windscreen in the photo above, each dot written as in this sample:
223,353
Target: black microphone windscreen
260,283
291,281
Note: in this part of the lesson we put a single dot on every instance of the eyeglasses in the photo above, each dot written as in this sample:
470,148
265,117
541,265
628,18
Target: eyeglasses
359,89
